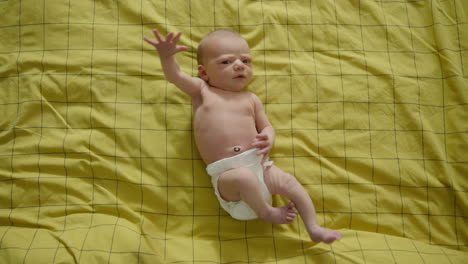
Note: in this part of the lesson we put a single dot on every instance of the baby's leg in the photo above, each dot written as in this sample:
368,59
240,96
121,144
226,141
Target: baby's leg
282,183
242,184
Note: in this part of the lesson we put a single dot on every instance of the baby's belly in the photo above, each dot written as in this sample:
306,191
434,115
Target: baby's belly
213,148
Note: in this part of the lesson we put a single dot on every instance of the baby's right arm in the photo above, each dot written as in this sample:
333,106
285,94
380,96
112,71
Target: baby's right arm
167,49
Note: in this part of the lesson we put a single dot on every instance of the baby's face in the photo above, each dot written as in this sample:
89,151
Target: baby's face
227,63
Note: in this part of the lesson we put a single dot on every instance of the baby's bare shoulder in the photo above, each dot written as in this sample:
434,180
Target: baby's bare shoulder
255,99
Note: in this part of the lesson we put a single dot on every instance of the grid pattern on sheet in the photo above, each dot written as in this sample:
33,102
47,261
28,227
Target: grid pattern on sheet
368,99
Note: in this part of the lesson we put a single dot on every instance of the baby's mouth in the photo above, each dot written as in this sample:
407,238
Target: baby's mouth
240,76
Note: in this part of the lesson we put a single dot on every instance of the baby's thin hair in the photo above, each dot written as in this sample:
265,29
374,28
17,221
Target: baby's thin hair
211,34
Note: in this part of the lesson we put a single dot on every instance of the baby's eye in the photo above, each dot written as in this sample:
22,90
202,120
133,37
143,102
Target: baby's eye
246,61
226,62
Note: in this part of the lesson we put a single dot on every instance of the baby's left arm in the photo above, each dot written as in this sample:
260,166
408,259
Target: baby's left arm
266,133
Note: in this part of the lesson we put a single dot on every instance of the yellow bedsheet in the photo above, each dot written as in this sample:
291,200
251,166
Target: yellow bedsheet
98,165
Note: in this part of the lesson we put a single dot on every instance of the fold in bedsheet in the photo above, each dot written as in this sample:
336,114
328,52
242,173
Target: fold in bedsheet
97,162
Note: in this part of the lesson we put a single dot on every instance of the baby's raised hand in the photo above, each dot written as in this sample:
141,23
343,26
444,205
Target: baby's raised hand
263,143
166,47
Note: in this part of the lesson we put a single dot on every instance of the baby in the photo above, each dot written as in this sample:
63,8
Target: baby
233,134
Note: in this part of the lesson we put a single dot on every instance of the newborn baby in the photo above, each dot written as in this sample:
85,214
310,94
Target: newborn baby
233,133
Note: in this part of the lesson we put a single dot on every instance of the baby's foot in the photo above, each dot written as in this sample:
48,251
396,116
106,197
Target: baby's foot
320,234
280,215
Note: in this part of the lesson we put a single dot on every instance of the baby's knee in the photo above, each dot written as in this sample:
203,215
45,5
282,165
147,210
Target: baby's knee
244,176
288,183
282,183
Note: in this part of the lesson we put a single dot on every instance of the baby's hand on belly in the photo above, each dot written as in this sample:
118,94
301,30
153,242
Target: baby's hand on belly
263,143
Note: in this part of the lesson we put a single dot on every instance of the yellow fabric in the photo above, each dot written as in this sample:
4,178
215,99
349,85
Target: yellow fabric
97,162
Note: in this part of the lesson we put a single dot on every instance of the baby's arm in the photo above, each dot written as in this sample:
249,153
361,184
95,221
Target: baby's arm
167,49
266,133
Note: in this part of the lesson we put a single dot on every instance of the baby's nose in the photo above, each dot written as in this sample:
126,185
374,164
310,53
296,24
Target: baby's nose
239,65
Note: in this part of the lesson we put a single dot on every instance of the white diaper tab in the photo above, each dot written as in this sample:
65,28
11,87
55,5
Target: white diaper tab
240,210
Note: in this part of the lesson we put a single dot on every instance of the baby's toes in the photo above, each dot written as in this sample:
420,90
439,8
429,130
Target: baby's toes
291,216
292,211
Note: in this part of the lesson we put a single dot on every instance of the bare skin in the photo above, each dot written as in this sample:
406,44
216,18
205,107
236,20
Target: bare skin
229,121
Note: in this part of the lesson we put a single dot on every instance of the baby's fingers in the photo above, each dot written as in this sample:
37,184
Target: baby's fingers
150,41
170,37
181,48
263,151
177,37
260,143
157,35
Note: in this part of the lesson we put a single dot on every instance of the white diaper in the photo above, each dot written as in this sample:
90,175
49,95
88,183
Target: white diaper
240,210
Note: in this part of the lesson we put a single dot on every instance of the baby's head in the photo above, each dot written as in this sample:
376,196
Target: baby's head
224,60
212,39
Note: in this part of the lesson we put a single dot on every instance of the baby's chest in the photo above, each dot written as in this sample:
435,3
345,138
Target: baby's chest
220,105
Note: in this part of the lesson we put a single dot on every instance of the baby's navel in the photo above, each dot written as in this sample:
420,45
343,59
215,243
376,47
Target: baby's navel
237,149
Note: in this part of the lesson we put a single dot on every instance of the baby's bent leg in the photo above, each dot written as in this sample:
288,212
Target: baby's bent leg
242,184
282,183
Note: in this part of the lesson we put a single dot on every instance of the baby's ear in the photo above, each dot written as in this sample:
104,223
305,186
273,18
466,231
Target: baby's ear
202,72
